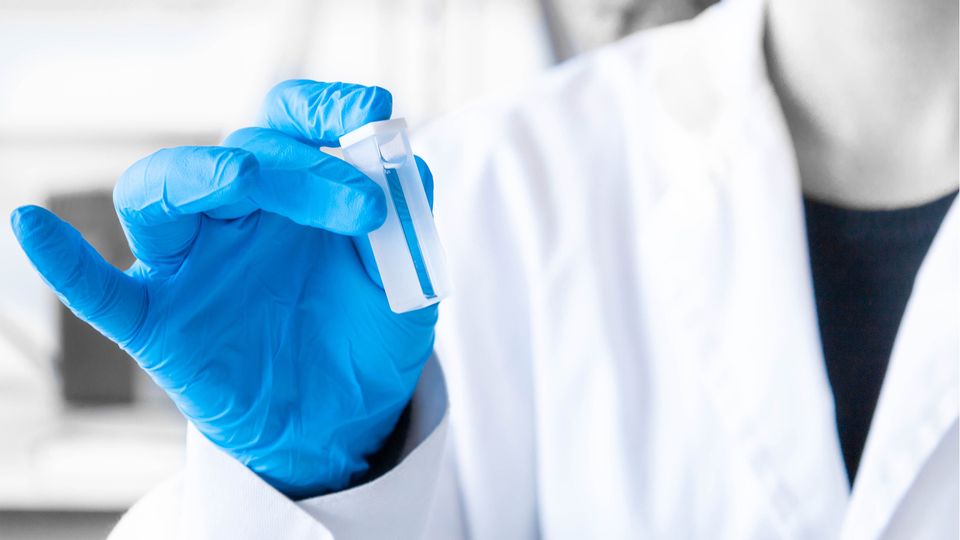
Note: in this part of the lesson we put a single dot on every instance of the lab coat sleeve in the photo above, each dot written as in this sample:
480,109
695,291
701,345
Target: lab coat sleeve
399,503
216,496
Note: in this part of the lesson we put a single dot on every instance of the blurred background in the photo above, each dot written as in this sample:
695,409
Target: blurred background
89,86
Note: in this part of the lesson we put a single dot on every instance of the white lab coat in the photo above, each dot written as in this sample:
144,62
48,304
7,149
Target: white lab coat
632,349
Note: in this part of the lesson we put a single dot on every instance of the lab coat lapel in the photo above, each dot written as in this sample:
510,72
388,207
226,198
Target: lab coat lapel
919,401
752,328
761,353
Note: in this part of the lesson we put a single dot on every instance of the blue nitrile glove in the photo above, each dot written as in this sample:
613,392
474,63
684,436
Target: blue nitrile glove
249,302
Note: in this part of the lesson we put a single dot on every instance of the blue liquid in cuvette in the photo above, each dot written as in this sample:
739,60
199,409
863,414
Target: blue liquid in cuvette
406,223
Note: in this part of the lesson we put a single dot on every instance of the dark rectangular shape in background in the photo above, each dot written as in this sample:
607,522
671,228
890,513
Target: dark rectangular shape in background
92,368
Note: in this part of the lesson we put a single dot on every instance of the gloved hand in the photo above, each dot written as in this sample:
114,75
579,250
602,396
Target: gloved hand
254,300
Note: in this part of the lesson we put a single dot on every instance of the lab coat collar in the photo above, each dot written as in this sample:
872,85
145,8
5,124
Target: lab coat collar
735,55
733,273
760,354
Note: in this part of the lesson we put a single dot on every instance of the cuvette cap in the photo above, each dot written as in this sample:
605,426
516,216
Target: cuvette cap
373,128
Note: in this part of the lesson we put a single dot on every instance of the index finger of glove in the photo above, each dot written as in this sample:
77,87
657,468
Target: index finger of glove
302,183
320,113
159,199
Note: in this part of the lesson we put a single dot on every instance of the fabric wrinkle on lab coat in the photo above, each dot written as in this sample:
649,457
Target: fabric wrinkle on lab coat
632,349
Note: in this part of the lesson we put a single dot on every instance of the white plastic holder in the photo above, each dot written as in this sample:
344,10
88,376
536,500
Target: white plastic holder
406,247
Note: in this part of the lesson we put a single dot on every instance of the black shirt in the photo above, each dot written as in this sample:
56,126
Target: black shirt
864,263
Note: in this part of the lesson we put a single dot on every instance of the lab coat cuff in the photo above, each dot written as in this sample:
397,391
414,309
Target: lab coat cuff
222,498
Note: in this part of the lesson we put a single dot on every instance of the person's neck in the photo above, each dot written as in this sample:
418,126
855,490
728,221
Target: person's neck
869,89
